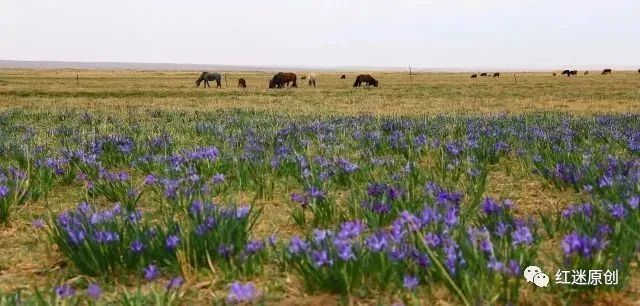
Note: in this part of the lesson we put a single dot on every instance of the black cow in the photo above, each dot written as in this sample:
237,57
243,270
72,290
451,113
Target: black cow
496,75
606,71
567,72
367,79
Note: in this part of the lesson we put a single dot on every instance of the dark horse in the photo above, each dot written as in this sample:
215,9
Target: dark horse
209,76
242,83
606,71
344,76
367,79
281,78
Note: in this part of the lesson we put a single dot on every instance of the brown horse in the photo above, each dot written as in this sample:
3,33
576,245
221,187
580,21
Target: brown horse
242,83
281,78
367,79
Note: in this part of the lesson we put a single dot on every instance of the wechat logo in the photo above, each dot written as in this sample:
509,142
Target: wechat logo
534,274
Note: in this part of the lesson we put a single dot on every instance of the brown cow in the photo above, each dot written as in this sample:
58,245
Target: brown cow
242,83
496,75
573,72
344,76
281,78
586,72
483,74
606,71
554,74
367,79
473,76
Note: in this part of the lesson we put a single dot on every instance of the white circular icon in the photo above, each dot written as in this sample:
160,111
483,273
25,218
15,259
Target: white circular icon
541,280
530,272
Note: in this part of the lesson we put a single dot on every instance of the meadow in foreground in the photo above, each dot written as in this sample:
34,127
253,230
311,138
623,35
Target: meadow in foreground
236,206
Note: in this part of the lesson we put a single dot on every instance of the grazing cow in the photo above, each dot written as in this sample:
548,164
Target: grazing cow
574,72
209,76
554,74
606,71
473,76
586,72
344,76
638,70
311,77
242,83
567,72
496,75
303,78
367,79
483,74
283,78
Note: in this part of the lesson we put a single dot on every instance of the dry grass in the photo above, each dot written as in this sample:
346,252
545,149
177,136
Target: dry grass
431,93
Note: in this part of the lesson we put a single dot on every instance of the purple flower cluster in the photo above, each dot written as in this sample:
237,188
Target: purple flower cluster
582,245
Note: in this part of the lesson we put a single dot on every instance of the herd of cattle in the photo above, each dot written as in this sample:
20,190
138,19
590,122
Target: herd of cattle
284,79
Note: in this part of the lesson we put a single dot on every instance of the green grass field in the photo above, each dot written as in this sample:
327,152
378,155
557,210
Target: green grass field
45,111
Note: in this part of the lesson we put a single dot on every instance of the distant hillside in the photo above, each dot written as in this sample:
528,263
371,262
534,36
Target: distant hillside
13,64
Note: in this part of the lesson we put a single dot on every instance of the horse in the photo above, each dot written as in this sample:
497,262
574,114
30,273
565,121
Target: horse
367,79
311,77
473,76
606,71
344,76
281,78
496,75
209,76
242,83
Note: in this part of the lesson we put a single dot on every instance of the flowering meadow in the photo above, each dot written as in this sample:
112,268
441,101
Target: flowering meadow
236,207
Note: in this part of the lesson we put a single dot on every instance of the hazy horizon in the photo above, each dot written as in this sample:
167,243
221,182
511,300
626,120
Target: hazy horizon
499,34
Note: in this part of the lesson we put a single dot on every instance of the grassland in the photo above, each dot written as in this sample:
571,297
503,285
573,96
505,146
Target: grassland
431,93
53,103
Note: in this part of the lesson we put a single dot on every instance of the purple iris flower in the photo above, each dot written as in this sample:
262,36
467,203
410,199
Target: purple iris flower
242,293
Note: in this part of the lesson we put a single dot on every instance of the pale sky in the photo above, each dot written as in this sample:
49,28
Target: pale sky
331,33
